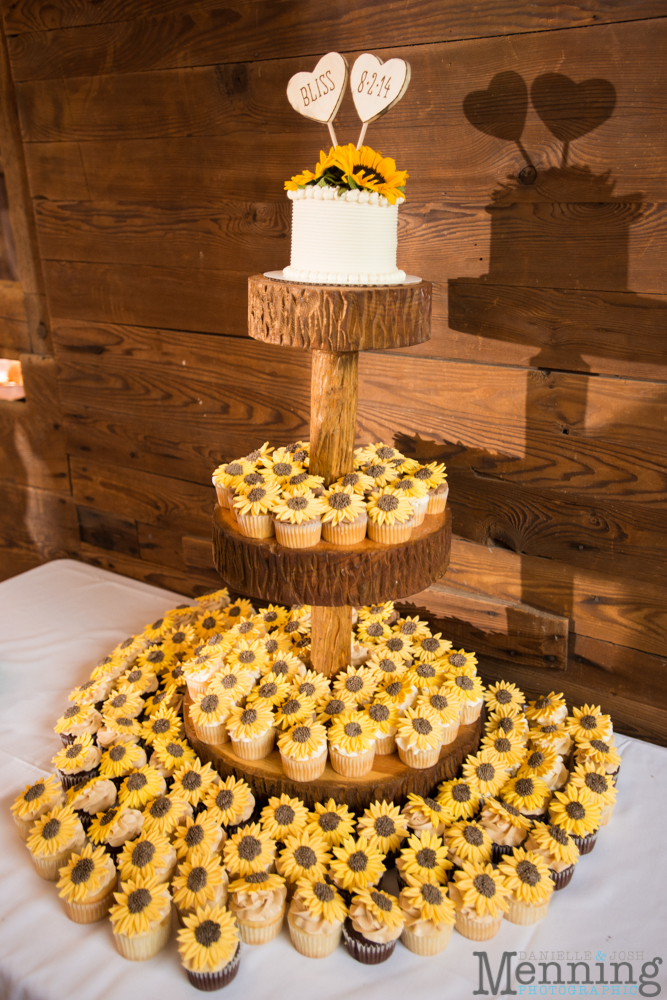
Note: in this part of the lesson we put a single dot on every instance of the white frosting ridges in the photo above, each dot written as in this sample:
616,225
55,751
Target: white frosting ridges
343,238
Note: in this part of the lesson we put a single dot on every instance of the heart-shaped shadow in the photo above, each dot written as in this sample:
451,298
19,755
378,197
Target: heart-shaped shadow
570,110
501,109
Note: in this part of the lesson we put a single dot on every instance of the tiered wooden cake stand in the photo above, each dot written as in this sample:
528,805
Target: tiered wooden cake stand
335,323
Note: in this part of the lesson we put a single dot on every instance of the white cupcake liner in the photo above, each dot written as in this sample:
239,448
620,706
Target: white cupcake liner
420,507
213,735
390,534
139,947
427,944
313,945
260,933
420,761
525,913
477,930
298,536
256,749
346,532
351,767
304,770
224,495
437,501
90,913
255,525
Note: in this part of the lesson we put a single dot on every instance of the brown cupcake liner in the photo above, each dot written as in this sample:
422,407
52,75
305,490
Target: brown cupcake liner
587,843
561,879
210,981
499,851
365,951
70,780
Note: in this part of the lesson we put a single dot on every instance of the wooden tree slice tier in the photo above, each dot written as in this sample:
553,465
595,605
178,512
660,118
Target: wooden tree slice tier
390,779
338,318
331,575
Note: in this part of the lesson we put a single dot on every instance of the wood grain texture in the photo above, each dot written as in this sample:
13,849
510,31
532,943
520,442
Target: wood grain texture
36,525
338,318
390,779
330,639
330,575
333,413
14,334
492,626
186,582
214,34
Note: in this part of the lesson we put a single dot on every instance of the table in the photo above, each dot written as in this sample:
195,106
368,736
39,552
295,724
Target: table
57,621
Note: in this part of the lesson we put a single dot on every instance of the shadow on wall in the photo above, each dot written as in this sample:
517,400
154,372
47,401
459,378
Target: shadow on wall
560,230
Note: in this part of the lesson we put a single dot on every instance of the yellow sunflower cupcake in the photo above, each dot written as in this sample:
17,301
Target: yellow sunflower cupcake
193,781
254,508
381,474
357,864
270,691
503,693
303,751
399,693
433,476
298,520
230,803
530,795
305,855
202,882
140,679
417,493
198,673
168,695
274,644
548,709
461,662
460,797
357,481
249,655
198,837
333,821
352,744
530,884
232,683
397,646
116,826
508,719
251,731
390,517
164,813
425,676
423,858
445,706
471,692
294,711
78,761
603,753
257,901
557,849
150,854
598,785
283,817
227,477
75,720
505,750
250,849
382,824
429,916
359,683
87,884
378,612
315,918
313,684
209,713
41,797
418,738
484,777
423,813
272,617
388,666
479,893
344,517
547,765
120,729
575,811
550,737
506,826
92,797
140,786
467,840
373,633
209,947
373,926
165,723
385,720
431,648
588,723
141,918
332,708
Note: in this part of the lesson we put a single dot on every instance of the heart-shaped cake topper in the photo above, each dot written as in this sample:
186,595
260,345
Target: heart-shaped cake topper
377,86
317,95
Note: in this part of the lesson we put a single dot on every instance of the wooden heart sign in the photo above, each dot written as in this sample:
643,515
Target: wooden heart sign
317,95
377,86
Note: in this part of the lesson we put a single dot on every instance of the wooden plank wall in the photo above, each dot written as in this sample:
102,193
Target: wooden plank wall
156,139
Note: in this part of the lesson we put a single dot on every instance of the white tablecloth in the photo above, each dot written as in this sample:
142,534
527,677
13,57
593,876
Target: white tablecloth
56,622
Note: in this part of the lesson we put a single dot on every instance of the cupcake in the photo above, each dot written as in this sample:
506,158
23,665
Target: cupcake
91,691
547,765
428,918
164,813
373,633
459,797
399,694
312,684
550,738
94,796
357,864
150,854
425,676
505,825
257,900
423,813
274,644
298,520
382,825
380,473
548,709
251,731
233,683
397,646
247,654
418,738
226,478
141,678
230,803
123,703
390,517
373,926
209,948
471,692
332,708
504,750
508,719
118,729
352,744
198,672
467,840
120,759
198,836
249,850
599,787
479,893
344,517
41,797
501,694
530,796
271,690
424,858
170,756
283,817
458,661
530,884
141,918
588,723
272,617
430,648
557,849
574,810
303,751
357,481
209,714
484,777
87,884
140,786
603,753
78,761
296,710
253,509
315,918
202,882
115,827
165,723
359,683
385,720
156,630
77,720
333,821
416,492
54,837
305,855
433,476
